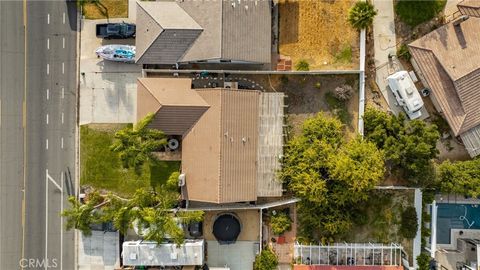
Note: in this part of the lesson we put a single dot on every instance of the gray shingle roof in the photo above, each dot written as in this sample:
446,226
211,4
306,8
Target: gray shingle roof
211,30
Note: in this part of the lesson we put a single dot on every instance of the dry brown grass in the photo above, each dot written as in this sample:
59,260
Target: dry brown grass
318,31
106,9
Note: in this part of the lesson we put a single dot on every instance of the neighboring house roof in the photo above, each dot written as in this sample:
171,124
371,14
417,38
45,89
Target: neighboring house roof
219,156
176,106
346,267
148,253
164,32
213,30
448,59
469,7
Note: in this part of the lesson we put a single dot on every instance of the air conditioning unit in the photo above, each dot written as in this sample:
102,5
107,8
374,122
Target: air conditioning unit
232,85
181,180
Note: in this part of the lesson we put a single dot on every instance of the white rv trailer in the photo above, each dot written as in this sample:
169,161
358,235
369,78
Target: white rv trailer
406,93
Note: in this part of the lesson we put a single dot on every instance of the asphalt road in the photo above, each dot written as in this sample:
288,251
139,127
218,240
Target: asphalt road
11,132
44,77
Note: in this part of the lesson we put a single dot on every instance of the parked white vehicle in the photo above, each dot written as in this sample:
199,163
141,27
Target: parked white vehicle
406,93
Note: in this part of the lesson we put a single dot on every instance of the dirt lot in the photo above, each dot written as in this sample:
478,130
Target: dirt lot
306,96
318,32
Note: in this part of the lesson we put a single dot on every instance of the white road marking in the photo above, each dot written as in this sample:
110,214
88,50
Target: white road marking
63,17
48,94
62,143
61,222
63,68
62,117
47,118
46,216
49,178
48,44
63,92
48,18
48,69
63,42
46,146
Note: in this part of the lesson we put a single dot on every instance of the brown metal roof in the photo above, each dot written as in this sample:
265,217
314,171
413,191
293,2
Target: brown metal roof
470,3
449,60
176,106
220,152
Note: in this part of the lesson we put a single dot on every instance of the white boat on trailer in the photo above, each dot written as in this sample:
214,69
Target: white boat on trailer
117,53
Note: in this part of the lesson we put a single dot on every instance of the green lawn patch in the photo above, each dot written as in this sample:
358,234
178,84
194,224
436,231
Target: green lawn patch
344,55
339,108
416,12
102,169
161,170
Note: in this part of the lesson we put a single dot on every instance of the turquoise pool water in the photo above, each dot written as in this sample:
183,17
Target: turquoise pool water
456,216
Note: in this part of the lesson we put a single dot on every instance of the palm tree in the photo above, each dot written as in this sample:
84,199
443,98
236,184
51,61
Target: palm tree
361,15
81,216
136,144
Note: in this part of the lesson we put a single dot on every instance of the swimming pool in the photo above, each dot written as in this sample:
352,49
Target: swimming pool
456,216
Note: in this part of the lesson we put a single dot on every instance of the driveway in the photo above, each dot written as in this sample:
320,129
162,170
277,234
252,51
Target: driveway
385,46
108,90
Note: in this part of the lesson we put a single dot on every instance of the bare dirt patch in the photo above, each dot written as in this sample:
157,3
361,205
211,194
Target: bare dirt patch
318,32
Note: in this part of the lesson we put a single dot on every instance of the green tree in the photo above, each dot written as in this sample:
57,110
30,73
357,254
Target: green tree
266,260
136,144
361,15
81,216
149,212
409,146
423,261
462,177
280,222
409,223
330,175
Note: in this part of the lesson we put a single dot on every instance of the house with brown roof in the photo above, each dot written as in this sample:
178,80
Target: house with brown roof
469,7
232,140
171,32
447,61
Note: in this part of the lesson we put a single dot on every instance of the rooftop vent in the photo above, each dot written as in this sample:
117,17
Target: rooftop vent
460,19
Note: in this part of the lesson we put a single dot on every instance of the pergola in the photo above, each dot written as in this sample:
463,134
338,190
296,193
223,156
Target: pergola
361,254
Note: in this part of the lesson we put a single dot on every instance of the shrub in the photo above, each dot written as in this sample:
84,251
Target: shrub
361,15
343,92
302,65
423,261
280,223
416,12
404,53
409,225
266,260
172,182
